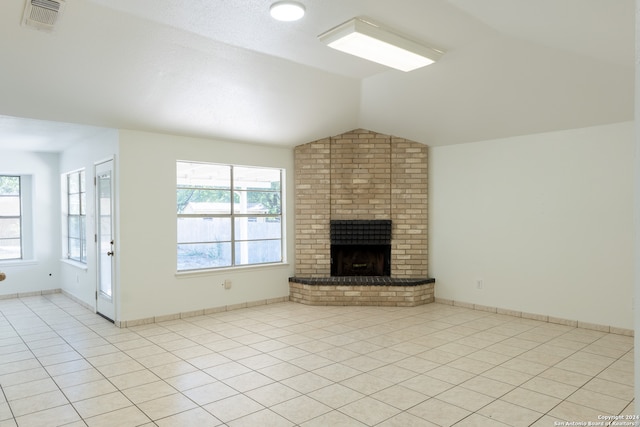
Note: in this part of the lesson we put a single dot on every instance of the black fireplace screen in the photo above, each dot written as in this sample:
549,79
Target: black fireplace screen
361,247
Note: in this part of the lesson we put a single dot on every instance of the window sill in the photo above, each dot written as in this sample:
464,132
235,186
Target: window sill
18,262
76,264
213,271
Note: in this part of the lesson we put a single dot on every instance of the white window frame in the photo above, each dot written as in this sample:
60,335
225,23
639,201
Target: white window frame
232,216
82,216
26,220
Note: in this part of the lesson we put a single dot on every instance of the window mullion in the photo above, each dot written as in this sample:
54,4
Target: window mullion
20,220
69,224
233,218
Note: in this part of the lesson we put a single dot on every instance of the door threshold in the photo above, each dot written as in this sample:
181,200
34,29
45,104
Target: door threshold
105,317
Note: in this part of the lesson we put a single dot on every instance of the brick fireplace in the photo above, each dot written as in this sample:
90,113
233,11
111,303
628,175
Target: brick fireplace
361,176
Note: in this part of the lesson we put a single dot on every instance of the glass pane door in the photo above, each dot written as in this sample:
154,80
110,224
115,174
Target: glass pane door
104,226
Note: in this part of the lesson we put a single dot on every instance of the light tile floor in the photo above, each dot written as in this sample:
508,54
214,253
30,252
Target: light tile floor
289,364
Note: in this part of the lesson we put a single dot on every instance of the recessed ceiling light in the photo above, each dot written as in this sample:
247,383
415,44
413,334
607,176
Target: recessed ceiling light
287,10
362,38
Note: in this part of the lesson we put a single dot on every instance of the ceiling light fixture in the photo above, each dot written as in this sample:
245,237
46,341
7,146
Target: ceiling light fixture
287,10
365,39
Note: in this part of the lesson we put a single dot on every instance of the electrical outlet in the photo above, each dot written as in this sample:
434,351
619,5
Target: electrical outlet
227,284
479,284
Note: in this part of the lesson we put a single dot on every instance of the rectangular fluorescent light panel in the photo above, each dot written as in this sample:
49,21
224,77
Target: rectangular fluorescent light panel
369,41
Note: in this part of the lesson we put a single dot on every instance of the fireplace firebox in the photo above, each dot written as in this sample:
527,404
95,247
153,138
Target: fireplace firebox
360,247
360,260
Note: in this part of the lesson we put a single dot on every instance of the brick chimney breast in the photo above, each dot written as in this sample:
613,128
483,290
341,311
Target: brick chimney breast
361,175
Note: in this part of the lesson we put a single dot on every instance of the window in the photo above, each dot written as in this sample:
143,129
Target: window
228,215
10,218
76,217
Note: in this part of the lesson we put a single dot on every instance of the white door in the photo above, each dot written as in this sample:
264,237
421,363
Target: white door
105,295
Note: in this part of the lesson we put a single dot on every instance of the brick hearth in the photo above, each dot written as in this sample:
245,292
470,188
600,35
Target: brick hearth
396,294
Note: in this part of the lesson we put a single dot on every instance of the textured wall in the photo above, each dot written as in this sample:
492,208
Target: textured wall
361,175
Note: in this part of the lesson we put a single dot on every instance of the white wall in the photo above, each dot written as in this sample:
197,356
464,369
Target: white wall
76,279
148,284
42,272
546,221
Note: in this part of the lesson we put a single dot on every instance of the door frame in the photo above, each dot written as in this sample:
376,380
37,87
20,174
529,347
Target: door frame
115,246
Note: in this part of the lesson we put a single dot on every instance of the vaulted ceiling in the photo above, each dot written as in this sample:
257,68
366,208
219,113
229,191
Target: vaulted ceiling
225,69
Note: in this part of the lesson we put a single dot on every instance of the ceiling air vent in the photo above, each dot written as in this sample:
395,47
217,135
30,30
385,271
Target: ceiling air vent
42,14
